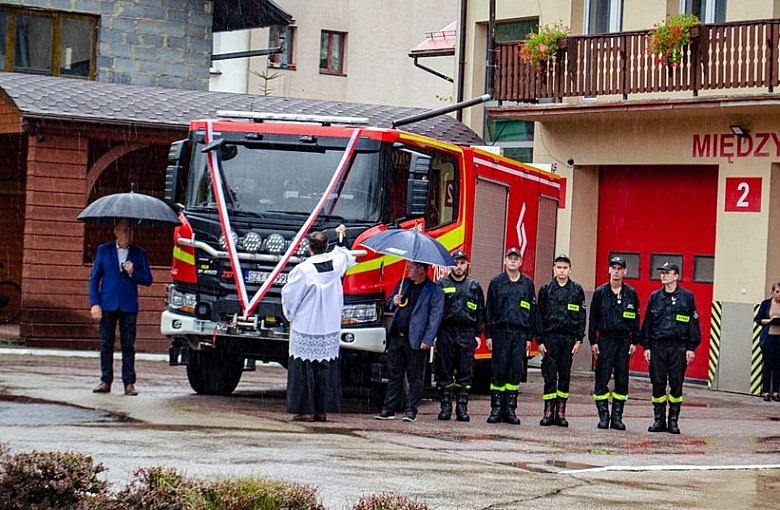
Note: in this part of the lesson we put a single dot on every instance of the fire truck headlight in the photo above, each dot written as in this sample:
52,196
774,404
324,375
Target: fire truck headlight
223,241
360,313
275,244
252,242
347,338
303,248
181,301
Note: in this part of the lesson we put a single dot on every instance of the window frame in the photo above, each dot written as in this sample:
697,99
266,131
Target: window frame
656,259
710,13
614,22
333,34
57,17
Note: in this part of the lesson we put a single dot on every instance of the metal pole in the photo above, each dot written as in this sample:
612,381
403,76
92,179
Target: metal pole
442,110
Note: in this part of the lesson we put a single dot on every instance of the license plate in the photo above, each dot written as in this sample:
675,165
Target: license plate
262,276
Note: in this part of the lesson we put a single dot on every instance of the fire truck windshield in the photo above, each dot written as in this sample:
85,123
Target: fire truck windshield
284,179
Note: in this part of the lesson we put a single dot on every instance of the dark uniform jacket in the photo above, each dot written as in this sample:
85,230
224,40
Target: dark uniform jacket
671,316
511,306
614,316
464,304
560,311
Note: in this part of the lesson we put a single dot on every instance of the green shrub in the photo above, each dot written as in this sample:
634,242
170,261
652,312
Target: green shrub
388,502
259,494
159,488
48,480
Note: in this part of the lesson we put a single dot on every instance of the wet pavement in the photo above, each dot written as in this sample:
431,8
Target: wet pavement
728,455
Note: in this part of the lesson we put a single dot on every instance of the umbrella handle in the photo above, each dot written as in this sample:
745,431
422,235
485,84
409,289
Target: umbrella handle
405,302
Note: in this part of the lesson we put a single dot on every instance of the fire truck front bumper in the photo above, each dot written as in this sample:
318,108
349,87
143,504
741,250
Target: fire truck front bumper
172,324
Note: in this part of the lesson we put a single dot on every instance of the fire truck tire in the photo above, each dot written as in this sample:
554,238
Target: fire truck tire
214,373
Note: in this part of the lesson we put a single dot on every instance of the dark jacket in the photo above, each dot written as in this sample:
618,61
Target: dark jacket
671,317
511,305
110,286
426,315
560,311
763,313
464,304
614,316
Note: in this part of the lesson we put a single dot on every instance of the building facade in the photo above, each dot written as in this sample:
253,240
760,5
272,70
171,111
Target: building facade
344,50
663,160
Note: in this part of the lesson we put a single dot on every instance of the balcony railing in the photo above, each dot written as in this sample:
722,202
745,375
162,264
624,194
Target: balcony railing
721,56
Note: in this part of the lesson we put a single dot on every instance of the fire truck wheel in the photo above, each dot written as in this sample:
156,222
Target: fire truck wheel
214,372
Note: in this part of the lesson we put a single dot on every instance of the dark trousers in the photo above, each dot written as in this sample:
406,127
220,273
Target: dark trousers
556,366
454,358
403,360
127,321
508,363
612,358
667,364
313,386
771,372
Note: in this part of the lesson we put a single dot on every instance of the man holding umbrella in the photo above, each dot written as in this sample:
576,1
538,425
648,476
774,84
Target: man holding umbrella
113,294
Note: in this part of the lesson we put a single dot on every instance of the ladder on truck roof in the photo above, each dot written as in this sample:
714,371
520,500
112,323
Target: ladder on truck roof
325,120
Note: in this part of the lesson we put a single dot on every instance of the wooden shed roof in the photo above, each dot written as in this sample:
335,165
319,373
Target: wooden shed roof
46,98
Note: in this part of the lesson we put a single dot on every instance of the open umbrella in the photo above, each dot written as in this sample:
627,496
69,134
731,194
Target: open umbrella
410,245
142,211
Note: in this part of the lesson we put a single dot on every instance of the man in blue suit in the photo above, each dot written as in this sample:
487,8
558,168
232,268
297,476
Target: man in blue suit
113,295
417,313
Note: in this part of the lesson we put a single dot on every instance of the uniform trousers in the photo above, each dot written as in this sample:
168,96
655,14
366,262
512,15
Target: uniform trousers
454,358
612,358
667,364
556,366
508,364
771,372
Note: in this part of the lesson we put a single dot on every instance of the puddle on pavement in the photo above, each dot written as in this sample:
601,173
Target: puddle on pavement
23,411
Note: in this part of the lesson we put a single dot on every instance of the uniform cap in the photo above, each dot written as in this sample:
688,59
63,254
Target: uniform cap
460,254
562,258
620,261
513,251
670,266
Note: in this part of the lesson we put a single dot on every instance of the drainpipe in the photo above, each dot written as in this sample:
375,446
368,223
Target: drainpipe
461,56
490,68
432,71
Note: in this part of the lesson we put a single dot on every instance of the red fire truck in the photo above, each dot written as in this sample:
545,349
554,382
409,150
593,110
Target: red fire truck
247,184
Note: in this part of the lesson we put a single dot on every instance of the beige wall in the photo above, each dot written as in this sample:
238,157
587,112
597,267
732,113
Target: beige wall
377,67
773,234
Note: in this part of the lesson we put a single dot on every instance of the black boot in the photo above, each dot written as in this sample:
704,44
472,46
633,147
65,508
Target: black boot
496,402
549,413
446,403
674,415
510,406
603,408
461,408
617,415
659,425
560,415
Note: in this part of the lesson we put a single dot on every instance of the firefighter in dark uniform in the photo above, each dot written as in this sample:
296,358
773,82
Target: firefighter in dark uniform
670,335
459,332
509,328
560,328
613,332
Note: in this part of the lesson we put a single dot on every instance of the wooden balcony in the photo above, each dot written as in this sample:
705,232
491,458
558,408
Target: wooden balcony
736,55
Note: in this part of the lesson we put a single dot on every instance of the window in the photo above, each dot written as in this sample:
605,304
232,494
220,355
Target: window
332,52
515,30
703,268
602,16
515,137
633,270
284,37
708,11
658,259
52,43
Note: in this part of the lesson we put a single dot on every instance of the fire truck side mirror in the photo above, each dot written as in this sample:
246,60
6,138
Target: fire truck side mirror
173,170
417,186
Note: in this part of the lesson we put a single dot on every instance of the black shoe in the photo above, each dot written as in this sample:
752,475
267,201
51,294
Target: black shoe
410,416
776,398
767,398
385,414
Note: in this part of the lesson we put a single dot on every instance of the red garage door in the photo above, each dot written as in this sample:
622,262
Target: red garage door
650,214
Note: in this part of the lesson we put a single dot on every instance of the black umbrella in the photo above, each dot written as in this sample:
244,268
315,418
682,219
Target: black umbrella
142,211
410,245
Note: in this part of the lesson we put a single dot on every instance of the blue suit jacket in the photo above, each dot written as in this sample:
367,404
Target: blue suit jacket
110,286
426,316
763,313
